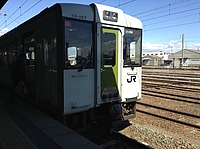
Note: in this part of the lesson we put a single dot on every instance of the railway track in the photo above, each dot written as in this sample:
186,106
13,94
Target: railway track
170,102
171,97
169,86
171,81
166,85
170,119
167,117
185,75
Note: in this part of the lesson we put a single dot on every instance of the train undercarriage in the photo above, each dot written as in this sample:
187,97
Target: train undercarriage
113,117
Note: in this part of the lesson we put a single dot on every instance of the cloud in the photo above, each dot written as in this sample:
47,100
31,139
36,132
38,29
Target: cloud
152,46
195,46
172,46
3,31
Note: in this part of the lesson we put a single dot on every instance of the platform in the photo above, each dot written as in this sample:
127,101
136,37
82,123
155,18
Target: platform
23,126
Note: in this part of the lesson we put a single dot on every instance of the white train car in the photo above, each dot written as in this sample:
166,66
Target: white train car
79,60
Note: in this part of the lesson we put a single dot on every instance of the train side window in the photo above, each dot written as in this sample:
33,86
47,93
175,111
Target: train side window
46,51
109,49
29,48
30,56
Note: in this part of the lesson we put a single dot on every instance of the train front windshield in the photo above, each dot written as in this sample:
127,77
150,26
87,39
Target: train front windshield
78,41
132,47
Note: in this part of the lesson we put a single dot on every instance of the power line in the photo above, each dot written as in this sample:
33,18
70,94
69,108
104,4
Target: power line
183,24
24,12
161,7
171,19
14,12
170,14
169,10
125,3
161,16
18,9
101,1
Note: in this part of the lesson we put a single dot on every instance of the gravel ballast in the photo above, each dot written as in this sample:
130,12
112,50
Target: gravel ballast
158,138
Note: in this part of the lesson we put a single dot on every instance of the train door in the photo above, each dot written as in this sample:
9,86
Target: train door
52,71
110,64
42,77
47,73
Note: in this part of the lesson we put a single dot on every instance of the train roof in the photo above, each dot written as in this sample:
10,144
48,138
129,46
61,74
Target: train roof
86,12
123,19
2,3
81,12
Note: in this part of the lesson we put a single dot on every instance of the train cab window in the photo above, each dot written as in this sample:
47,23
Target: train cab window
109,49
78,42
132,47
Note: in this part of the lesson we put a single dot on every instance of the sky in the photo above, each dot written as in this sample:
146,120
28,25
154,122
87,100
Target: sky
164,21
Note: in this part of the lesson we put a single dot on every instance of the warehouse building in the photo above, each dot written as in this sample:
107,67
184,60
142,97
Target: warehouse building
151,60
155,58
191,58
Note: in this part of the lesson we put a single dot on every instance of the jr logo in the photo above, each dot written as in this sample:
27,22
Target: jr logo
132,78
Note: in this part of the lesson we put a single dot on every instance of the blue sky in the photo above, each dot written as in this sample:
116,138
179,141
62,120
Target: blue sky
163,20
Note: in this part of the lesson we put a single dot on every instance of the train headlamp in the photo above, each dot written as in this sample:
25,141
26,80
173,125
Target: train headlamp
110,16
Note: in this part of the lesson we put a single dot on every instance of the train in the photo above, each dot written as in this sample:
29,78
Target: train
78,62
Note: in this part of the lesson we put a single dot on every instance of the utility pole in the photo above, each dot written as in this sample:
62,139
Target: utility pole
182,50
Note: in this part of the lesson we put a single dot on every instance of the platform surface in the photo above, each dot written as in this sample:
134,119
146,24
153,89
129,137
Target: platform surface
24,127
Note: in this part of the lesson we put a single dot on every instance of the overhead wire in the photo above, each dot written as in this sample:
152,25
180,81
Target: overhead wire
24,13
161,7
170,26
161,16
101,2
172,10
159,22
125,3
14,12
168,10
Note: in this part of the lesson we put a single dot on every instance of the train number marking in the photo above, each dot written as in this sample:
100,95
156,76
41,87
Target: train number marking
132,78
77,16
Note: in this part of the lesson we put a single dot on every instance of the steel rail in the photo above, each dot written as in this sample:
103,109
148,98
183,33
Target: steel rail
170,98
171,87
172,81
170,119
162,68
170,110
162,74
181,96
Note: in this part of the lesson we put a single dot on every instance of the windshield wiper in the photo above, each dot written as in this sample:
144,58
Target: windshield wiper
88,60
83,67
